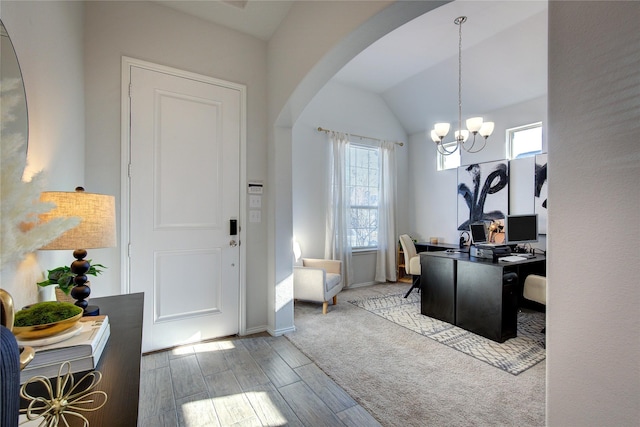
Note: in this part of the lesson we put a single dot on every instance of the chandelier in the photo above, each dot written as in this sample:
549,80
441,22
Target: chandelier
475,125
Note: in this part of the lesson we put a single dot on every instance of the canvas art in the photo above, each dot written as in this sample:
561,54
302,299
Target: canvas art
483,193
540,195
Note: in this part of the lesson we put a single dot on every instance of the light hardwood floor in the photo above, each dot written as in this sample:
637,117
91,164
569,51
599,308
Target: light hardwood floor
249,381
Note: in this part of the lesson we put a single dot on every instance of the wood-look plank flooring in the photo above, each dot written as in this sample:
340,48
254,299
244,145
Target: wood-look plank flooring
249,381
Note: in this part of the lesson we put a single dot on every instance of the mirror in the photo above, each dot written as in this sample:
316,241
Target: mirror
13,101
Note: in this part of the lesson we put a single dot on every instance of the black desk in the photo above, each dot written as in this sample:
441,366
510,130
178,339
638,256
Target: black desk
434,247
119,363
471,292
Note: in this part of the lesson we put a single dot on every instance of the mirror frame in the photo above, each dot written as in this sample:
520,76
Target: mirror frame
15,116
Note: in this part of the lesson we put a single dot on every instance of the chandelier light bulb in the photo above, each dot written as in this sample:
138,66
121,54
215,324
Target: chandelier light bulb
464,137
486,129
474,124
435,137
442,129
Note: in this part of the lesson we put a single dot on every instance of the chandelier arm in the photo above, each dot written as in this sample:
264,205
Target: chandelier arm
442,150
484,143
473,142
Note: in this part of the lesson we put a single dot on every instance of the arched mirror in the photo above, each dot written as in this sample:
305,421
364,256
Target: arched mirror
14,123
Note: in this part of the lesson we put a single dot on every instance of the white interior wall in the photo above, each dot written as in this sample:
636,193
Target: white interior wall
47,38
593,344
155,33
345,109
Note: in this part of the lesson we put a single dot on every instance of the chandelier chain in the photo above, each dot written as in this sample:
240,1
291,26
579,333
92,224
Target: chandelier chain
475,125
460,22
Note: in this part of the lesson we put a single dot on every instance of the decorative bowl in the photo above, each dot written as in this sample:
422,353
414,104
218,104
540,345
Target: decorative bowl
46,329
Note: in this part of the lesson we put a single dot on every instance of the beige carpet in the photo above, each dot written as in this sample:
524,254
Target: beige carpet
515,355
405,379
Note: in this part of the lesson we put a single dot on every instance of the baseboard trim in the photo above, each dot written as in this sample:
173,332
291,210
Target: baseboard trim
360,285
279,332
256,330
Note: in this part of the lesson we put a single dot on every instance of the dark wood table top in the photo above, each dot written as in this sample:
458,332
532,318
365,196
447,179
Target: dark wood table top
119,363
465,256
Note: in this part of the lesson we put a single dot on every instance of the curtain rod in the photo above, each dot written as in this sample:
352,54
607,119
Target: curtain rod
321,129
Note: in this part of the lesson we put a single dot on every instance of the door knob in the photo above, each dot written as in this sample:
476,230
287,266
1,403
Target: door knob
233,243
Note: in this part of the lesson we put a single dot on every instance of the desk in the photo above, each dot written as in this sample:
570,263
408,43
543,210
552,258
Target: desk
472,293
434,247
119,363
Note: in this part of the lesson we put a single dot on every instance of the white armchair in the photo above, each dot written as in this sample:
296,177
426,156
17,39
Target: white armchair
317,280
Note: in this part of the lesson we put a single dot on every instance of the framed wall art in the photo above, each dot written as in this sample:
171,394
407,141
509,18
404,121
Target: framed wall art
483,192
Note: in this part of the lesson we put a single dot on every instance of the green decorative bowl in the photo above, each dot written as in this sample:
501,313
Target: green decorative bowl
31,329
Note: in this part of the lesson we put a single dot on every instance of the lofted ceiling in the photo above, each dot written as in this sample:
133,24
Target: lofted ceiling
415,68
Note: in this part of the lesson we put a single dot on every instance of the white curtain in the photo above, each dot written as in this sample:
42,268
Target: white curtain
386,254
337,244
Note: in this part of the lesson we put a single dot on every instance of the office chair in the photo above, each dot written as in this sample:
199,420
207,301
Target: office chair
411,261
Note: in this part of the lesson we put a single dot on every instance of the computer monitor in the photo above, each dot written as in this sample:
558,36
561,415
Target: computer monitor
521,229
478,232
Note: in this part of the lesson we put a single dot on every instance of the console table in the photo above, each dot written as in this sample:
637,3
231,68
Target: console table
119,363
476,294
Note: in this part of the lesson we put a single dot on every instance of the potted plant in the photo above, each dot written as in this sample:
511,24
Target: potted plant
62,278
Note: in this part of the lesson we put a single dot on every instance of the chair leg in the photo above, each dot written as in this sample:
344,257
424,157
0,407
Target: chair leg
416,284
325,306
335,299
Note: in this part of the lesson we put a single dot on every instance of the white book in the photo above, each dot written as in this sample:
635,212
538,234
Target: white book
81,342
81,364
512,258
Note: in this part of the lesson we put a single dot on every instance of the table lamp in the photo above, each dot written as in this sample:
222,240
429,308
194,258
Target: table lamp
97,229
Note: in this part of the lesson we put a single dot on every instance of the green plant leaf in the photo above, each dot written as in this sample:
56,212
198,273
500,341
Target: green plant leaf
63,277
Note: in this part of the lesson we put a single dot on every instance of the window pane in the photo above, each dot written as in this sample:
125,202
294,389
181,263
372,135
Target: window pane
363,192
373,176
372,199
525,141
450,161
364,227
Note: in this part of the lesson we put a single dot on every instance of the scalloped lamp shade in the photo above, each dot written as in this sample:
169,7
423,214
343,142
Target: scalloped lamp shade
97,228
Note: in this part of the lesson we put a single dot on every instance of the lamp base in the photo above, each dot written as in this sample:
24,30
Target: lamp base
91,310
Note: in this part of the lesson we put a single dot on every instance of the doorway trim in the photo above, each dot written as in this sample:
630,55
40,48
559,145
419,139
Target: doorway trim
125,169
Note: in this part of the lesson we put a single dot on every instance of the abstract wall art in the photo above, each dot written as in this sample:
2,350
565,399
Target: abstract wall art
483,192
540,194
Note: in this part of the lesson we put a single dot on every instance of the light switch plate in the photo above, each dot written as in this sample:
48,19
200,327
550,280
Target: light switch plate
255,216
255,201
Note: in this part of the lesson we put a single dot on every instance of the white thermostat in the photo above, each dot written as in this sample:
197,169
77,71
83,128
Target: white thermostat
254,188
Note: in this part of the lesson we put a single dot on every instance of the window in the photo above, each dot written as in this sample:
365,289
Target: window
450,161
363,167
524,141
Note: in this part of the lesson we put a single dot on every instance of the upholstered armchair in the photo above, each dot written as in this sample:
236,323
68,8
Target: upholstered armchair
317,280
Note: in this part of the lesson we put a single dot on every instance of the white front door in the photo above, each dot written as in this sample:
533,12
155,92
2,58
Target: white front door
184,190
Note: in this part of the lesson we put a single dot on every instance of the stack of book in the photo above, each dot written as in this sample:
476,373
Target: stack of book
82,349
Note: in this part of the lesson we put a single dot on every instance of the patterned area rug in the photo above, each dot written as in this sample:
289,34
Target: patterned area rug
515,355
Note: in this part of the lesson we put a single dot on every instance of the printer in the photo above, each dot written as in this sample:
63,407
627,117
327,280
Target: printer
489,251
483,249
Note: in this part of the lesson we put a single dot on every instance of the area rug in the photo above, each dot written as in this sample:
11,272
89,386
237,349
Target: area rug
515,355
